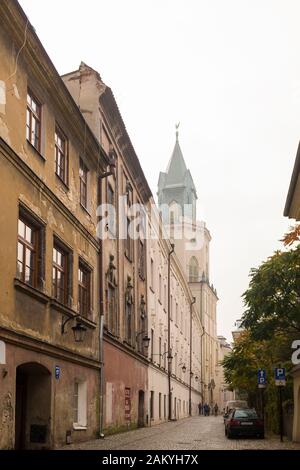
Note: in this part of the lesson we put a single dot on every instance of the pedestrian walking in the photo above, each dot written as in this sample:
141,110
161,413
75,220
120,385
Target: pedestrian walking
216,409
200,408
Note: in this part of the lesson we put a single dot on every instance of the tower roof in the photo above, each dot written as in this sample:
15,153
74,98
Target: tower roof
176,169
176,175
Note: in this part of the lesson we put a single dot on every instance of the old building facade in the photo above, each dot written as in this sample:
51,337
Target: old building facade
124,291
50,163
174,327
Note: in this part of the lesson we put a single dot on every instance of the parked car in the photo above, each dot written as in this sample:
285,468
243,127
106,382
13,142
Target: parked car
244,422
232,404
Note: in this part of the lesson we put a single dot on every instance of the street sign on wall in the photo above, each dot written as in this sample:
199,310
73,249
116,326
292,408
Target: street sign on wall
261,378
280,376
57,372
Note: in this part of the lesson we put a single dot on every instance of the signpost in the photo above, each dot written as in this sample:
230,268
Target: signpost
262,381
280,382
261,378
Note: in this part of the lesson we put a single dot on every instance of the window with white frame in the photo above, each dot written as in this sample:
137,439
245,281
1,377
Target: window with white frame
80,404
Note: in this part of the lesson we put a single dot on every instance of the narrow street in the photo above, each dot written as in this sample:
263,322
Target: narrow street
197,433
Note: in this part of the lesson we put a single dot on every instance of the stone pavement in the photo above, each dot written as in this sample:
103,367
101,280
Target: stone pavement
196,433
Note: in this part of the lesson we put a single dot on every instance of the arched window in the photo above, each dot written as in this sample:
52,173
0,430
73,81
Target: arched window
193,270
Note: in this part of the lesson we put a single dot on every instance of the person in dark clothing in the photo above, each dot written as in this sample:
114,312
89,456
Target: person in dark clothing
200,408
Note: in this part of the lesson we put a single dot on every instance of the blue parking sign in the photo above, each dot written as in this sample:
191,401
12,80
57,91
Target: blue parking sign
280,376
261,377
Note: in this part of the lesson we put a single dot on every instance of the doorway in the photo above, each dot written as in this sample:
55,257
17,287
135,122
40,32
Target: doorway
141,409
33,407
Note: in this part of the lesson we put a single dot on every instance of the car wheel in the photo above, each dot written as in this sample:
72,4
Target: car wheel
262,436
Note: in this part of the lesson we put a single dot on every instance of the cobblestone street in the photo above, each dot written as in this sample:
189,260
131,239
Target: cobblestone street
197,433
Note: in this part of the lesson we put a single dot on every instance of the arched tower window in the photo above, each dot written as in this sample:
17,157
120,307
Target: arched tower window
193,270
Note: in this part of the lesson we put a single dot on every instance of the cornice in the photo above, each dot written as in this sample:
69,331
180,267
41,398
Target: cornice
25,341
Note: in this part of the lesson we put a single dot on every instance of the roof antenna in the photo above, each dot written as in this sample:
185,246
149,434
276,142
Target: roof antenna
176,127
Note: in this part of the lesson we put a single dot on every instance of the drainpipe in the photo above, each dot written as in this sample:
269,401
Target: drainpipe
191,352
201,344
101,303
169,333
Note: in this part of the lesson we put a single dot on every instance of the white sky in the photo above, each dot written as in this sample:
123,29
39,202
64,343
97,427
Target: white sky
229,71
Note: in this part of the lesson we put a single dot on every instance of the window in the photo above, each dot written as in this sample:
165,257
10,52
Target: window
128,240
83,180
33,121
152,344
165,406
159,405
61,155
152,274
80,404
151,404
112,309
159,351
193,270
141,259
128,321
60,274
165,356
29,257
160,288
84,289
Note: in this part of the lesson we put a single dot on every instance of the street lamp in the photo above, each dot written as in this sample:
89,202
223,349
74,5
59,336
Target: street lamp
78,330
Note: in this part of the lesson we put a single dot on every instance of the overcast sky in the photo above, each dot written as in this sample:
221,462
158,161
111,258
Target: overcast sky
229,71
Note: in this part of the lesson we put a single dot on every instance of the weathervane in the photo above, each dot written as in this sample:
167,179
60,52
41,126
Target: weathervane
176,127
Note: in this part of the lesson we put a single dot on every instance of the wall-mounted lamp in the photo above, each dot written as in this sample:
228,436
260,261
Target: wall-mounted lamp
145,339
78,330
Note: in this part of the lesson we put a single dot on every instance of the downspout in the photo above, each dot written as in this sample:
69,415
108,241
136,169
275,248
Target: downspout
169,334
191,352
101,302
201,345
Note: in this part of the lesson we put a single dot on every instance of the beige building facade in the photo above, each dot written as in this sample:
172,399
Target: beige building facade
225,394
174,327
124,290
49,164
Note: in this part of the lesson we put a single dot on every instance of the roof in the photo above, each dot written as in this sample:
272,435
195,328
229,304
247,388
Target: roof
177,174
292,188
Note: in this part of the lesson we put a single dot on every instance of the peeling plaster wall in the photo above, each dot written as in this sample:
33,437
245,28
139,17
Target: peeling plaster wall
31,328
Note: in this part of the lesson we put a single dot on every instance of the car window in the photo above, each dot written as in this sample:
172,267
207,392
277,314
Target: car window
245,414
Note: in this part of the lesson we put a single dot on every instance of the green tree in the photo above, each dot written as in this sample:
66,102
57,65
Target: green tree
273,298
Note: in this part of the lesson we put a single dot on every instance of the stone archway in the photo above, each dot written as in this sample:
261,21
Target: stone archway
33,407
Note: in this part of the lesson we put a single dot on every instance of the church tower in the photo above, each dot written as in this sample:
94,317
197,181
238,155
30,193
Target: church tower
177,194
177,199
